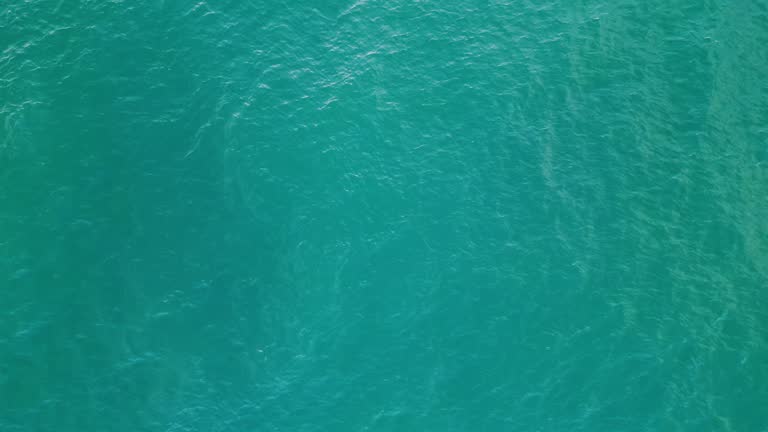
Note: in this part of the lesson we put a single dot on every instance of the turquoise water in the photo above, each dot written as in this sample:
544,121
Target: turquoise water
383,216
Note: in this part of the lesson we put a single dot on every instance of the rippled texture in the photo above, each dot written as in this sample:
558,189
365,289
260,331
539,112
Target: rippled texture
397,215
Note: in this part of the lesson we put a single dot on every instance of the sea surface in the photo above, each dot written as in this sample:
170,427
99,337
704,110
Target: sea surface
375,216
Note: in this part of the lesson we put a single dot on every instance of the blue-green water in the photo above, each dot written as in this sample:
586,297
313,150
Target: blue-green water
383,216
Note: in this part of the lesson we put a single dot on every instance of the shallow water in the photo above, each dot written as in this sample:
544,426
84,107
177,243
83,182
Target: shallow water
383,216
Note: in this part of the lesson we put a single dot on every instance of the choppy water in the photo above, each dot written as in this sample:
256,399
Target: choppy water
383,215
